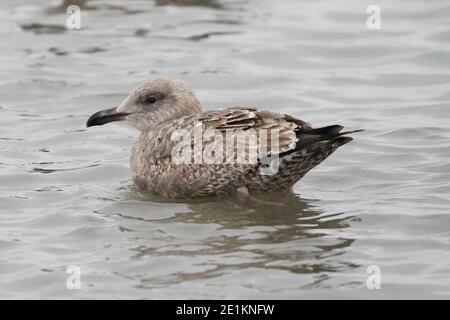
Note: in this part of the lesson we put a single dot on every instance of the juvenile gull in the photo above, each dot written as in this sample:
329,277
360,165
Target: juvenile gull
249,150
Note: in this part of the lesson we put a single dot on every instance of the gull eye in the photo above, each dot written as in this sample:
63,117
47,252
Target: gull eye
149,100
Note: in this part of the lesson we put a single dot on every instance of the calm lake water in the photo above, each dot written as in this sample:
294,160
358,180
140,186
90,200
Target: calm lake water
66,195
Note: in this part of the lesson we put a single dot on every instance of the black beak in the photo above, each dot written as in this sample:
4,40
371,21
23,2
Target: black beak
105,116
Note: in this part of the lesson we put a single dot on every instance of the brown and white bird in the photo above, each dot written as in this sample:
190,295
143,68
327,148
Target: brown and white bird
183,152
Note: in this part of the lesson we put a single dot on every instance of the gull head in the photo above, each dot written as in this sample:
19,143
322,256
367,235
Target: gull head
151,103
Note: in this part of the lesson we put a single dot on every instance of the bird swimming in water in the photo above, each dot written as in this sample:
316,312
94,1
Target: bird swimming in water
183,152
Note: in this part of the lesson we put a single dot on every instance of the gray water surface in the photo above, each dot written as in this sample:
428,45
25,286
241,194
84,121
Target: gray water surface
66,195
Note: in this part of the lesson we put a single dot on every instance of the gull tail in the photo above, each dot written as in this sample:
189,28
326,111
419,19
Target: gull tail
331,133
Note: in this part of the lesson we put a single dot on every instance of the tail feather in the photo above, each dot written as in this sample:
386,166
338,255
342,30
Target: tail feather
306,138
348,132
327,131
312,136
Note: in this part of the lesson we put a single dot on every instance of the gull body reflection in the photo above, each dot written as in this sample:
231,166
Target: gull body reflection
212,238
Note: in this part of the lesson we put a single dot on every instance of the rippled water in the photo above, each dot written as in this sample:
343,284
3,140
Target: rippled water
66,197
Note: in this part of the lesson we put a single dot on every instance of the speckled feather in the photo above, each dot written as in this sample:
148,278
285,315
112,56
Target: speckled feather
154,169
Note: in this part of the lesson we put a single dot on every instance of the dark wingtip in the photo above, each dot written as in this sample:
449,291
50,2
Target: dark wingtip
91,121
327,131
353,131
342,140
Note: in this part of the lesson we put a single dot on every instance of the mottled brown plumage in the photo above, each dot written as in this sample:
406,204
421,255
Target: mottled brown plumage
183,152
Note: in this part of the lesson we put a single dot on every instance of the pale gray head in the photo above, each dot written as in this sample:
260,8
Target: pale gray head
151,103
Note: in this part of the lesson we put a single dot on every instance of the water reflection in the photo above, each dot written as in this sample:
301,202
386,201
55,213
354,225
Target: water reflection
62,7
273,232
88,5
201,3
